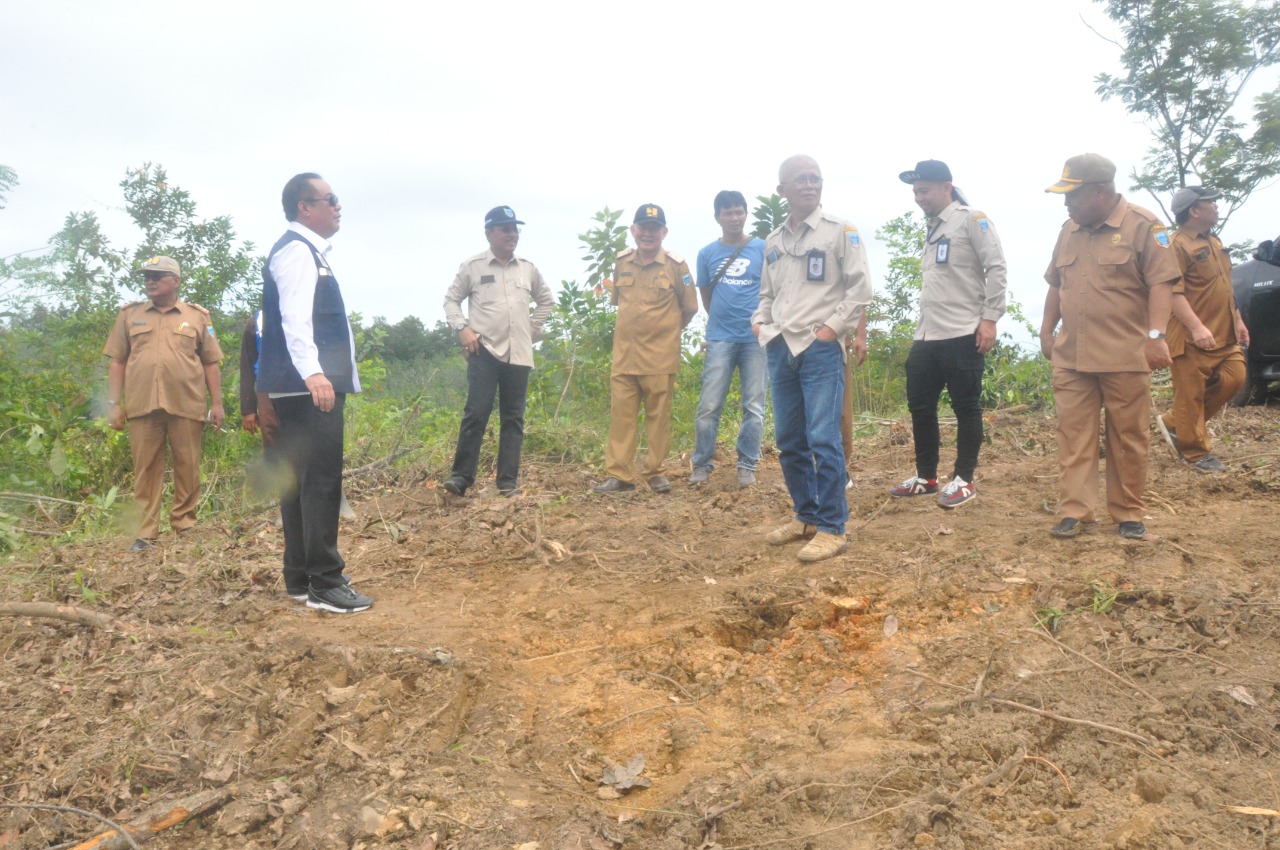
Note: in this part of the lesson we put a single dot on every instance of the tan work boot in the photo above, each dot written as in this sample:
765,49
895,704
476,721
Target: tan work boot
794,530
823,546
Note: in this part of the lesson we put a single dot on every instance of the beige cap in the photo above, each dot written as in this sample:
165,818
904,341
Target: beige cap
162,264
1083,169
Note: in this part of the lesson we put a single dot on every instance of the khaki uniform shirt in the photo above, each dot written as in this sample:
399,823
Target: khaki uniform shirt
814,275
1103,276
498,299
1206,284
965,275
164,354
655,302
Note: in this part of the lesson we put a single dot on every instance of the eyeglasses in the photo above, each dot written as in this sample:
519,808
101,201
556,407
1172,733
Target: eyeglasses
806,180
157,275
332,200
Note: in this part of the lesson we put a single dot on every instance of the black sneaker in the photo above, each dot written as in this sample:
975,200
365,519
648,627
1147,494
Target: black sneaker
142,544
342,599
299,594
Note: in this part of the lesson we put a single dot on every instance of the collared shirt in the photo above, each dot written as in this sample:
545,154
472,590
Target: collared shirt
815,274
164,352
1103,276
968,286
497,297
1206,284
294,270
655,302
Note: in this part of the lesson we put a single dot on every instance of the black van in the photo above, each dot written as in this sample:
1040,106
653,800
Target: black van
1256,284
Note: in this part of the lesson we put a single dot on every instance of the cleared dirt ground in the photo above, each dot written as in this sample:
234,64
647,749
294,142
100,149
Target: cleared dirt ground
956,680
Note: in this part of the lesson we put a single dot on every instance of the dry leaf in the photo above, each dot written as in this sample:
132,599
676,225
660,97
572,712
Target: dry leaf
1240,695
890,626
1252,810
708,579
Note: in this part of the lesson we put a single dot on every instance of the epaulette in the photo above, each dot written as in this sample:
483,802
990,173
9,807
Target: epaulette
132,304
675,258
627,252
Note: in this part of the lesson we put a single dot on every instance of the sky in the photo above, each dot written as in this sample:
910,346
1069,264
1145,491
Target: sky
424,116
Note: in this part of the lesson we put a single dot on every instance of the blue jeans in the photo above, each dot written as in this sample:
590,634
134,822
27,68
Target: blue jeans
807,393
717,372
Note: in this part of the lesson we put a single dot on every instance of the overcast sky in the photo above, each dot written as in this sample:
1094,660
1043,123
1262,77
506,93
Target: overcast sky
423,116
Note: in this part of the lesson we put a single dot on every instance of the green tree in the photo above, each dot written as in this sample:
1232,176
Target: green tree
8,180
769,215
1186,64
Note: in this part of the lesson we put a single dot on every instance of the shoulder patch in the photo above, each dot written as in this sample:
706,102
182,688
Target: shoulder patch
1161,234
211,333
851,233
980,219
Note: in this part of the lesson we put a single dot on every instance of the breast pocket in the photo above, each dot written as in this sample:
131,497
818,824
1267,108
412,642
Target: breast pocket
184,338
141,337
1113,261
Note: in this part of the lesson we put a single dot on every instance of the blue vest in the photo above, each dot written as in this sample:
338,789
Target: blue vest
332,335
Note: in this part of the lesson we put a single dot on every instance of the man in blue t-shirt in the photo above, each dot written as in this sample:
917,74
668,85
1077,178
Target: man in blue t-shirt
729,282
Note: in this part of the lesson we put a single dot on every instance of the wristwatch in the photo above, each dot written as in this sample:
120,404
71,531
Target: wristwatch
460,327
1155,334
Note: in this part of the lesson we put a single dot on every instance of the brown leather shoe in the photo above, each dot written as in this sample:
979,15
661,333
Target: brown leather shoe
614,485
792,531
660,484
823,546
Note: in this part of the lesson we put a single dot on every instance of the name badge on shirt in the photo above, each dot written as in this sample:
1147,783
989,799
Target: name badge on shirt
817,265
944,251
486,278
323,271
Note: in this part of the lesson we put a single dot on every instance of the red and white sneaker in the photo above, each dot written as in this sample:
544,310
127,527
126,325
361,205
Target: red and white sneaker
957,493
915,486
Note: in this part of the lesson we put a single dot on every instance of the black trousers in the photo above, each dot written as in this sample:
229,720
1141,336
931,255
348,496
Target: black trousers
956,365
487,376
307,457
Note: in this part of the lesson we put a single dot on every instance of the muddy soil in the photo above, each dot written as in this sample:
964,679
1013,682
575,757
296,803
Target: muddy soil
564,670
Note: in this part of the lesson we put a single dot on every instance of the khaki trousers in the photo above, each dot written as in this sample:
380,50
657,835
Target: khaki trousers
1203,383
148,436
1126,397
627,394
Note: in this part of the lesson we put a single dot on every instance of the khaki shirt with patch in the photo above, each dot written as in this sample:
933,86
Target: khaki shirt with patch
1206,283
814,275
164,353
967,289
1103,277
498,299
655,302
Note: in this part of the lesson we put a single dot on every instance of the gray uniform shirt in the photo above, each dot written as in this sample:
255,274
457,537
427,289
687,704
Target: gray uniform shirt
498,299
815,274
968,287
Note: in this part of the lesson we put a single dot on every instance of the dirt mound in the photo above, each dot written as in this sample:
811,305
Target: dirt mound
564,670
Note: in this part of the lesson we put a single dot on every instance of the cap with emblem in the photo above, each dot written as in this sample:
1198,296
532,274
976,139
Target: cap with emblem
1188,195
650,212
927,169
164,265
500,215
1083,169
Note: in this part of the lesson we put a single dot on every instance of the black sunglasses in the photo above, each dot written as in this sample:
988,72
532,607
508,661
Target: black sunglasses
332,200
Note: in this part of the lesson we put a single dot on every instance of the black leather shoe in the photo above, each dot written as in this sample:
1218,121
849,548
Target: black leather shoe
614,485
141,545
1067,528
1131,530
455,487
660,484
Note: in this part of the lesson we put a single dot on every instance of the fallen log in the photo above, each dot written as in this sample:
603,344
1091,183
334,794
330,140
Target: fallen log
157,819
53,611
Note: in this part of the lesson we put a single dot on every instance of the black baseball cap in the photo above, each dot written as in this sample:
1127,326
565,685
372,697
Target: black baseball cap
927,169
500,215
650,212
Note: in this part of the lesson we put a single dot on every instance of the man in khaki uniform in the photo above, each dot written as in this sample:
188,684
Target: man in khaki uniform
1208,366
164,356
497,338
814,291
653,291
1110,284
